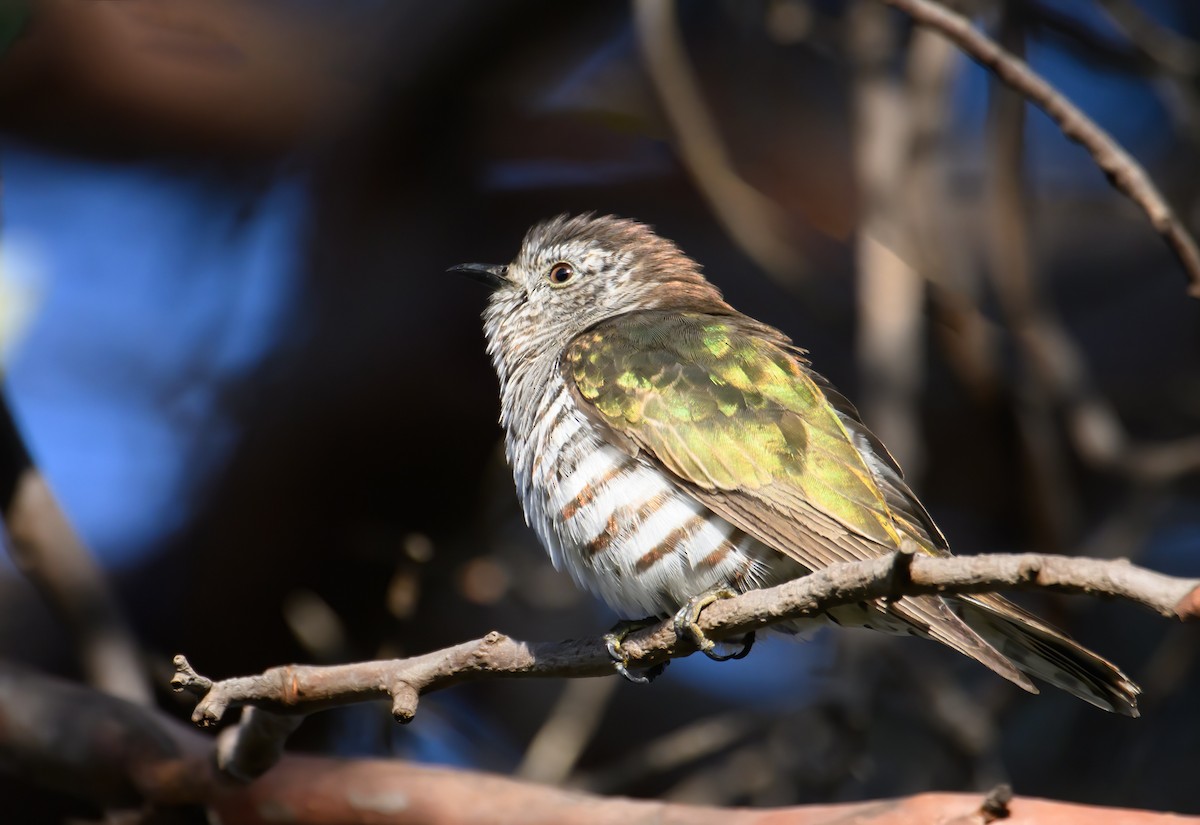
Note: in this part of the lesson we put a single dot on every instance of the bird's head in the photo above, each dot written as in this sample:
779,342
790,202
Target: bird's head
573,272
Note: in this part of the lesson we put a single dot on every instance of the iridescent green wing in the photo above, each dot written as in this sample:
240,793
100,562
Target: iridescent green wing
729,408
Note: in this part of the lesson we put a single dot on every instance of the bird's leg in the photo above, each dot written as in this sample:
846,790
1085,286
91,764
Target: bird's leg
612,642
687,625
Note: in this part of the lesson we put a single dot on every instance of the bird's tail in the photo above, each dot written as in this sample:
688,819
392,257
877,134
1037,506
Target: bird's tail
1049,654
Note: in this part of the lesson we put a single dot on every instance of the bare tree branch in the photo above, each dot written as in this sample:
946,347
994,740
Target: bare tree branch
114,754
304,689
1125,173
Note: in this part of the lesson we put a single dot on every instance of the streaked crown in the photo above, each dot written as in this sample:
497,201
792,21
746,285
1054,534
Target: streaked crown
573,272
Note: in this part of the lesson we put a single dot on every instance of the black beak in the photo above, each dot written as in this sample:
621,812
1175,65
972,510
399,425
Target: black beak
492,275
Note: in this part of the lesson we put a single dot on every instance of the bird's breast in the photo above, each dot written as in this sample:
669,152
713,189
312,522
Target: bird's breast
621,527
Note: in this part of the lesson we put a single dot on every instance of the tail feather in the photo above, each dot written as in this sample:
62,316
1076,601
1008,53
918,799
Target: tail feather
932,616
1049,654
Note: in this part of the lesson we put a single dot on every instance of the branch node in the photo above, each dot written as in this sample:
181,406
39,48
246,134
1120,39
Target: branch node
995,804
186,678
1189,606
404,702
1030,570
208,713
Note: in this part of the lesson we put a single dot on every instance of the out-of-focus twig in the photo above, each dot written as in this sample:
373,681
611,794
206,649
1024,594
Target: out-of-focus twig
1174,53
1096,432
302,689
1049,493
693,742
890,292
934,217
572,723
1168,61
752,220
1121,169
1058,367
49,552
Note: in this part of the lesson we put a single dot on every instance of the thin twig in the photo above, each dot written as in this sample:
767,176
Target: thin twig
1121,169
568,730
302,689
1049,494
890,292
1060,372
696,741
753,220
1174,53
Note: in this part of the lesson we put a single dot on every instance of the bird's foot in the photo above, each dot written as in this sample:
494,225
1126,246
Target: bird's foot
612,642
687,625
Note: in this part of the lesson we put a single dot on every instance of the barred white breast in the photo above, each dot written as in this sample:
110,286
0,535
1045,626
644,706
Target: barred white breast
617,524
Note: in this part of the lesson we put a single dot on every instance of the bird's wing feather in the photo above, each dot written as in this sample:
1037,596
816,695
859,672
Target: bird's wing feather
730,410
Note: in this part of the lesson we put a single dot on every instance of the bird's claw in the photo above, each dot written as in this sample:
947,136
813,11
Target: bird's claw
620,659
687,625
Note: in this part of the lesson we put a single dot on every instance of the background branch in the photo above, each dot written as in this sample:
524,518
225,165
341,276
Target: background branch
752,220
1125,173
46,548
1175,54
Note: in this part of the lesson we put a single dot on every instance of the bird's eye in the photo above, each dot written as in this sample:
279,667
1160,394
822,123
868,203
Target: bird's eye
561,274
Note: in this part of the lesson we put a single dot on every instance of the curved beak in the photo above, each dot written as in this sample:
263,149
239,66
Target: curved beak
492,275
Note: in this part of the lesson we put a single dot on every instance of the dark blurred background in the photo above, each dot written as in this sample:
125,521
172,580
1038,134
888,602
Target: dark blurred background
230,344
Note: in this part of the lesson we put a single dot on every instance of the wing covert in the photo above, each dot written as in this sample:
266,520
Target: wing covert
730,409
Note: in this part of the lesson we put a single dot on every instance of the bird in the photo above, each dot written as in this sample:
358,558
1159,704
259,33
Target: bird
669,450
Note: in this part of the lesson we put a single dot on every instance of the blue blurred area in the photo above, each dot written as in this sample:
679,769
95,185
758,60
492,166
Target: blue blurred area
780,671
1126,106
1174,546
159,282
559,174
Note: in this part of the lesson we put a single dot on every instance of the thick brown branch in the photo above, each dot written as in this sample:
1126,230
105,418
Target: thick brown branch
302,689
1121,169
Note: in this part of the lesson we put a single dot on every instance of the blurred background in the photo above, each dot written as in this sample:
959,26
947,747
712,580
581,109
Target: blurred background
230,345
